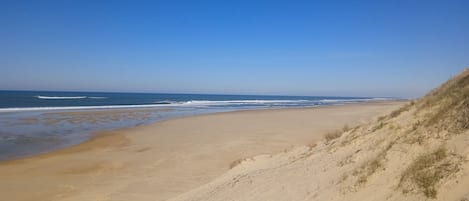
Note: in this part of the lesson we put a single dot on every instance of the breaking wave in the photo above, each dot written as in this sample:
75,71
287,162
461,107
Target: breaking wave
68,97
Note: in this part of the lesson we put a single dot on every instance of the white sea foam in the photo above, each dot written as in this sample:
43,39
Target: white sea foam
76,108
228,102
69,97
241,102
61,97
157,104
195,103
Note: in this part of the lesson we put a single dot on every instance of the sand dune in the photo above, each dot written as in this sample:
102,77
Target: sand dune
418,152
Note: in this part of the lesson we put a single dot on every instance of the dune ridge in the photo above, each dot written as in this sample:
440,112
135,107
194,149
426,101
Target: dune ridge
418,152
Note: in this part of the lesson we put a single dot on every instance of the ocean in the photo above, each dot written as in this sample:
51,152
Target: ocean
33,122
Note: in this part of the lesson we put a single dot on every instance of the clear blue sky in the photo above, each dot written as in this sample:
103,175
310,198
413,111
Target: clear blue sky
345,48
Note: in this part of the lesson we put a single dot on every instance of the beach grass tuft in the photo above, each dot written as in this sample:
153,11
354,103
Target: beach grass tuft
427,170
333,135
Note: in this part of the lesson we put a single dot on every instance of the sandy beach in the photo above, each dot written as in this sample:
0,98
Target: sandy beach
234,101
165,159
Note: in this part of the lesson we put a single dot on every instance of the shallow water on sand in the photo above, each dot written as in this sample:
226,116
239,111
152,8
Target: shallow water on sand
27,133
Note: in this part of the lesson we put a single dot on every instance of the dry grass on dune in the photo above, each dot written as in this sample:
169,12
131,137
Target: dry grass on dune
444,112
427,170
434,119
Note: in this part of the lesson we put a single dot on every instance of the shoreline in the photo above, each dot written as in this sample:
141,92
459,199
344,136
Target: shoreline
96,113
185,152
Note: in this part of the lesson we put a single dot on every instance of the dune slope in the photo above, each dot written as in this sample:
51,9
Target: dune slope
418,152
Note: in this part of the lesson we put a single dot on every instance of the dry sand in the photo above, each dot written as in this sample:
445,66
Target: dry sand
165,159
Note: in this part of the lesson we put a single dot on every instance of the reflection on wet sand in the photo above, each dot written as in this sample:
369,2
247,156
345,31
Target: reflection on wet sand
24,134
89,116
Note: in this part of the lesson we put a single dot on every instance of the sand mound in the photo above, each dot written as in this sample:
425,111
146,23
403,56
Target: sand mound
418,152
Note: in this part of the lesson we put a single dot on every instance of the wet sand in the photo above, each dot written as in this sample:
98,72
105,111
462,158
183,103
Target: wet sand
91,116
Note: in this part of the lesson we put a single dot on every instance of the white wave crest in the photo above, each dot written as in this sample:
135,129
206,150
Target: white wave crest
69,97
28,109
61,97
241,102
196,103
